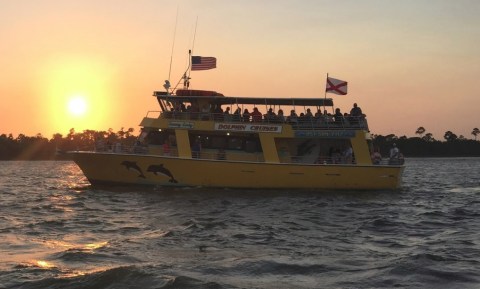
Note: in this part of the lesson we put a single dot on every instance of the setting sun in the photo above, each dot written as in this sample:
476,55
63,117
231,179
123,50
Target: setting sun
77,106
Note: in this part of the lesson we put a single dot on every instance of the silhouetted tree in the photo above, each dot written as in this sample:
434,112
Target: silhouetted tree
420,131
475,132
428,137
450,136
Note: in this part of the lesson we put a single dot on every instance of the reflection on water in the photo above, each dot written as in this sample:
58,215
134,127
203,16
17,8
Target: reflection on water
44,264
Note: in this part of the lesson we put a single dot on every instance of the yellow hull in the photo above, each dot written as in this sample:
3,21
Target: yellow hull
134,169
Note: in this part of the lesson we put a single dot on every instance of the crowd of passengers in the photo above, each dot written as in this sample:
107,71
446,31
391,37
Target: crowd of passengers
355,117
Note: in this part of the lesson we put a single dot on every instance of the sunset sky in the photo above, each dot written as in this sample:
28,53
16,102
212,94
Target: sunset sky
409,63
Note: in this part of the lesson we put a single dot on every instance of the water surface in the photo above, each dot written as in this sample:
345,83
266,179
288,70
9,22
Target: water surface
56,231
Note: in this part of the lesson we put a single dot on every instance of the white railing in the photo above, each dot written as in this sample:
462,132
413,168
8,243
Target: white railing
307,123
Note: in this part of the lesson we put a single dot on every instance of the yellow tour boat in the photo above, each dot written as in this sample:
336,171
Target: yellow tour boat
203,138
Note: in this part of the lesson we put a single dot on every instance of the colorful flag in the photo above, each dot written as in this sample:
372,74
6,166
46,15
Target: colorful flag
336,86
203,63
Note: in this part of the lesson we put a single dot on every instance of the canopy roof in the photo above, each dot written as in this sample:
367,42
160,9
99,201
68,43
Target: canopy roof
220,99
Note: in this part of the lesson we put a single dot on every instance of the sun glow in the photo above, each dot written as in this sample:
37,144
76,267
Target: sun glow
77,106
79,90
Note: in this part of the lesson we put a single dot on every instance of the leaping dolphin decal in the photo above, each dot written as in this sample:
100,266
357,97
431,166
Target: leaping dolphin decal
161,170
132,166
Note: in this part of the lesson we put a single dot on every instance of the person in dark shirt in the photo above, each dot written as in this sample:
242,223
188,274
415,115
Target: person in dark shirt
355,114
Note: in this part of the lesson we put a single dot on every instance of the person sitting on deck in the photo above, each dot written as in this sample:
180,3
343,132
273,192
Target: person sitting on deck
396,157
338,116
246,115
355,114
237,115
308,115
293,117
226,115
270,116
280,116
218,113
256,115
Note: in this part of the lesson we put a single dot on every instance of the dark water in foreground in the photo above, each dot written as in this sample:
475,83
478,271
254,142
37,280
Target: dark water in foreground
57,232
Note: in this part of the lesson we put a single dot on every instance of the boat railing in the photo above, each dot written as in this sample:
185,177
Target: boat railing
229,155
306,123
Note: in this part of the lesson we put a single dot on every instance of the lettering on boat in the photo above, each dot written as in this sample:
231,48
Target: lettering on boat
248,127
326,134
180,124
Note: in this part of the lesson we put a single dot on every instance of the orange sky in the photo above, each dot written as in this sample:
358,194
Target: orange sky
409,63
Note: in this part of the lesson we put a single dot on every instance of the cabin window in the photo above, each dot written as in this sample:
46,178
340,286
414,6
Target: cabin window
155,137
218,142
235,143
252,146
245,143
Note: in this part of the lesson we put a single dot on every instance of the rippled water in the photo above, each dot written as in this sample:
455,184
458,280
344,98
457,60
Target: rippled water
58,232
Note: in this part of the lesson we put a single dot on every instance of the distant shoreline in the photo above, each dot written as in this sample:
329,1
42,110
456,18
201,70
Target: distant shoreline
34,148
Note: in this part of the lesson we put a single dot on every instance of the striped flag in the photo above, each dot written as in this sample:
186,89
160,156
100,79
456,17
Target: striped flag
203,63
336,86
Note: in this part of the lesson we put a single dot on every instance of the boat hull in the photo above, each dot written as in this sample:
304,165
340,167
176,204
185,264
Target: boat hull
135,169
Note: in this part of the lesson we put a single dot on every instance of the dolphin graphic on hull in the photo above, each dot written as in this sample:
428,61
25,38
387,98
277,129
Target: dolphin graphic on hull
161,170
132,166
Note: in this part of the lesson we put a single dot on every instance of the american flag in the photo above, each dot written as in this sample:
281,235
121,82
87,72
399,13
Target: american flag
203,63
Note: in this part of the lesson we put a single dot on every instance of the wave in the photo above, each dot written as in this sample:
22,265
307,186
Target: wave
120,278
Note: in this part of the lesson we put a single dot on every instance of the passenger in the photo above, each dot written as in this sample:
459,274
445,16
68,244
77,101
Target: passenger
336,156
218,113
394,151
346,119
356,111
355,114
270,116
138,147
302,120
256,115
338,116
166,148
196,149
308,116
280,116
226,115
293,117
348,155
376,157
246,115
237,115
396,157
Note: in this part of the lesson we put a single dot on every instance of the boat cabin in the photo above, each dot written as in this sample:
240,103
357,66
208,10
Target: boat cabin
209,125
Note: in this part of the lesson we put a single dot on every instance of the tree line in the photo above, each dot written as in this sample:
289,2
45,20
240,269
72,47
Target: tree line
425,145
38,147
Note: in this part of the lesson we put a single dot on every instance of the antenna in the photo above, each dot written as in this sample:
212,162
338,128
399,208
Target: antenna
186,75
171,54
193,46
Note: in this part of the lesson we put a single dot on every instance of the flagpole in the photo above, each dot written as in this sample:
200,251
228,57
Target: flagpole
325,96
191,50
